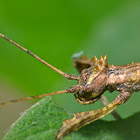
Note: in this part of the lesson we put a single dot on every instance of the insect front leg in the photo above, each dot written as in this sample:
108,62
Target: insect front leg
85,102
83,118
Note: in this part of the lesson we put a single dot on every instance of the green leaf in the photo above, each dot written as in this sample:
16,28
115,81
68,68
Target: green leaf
44,119
41,121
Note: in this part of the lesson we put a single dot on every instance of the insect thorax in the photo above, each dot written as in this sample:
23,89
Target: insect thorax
124,78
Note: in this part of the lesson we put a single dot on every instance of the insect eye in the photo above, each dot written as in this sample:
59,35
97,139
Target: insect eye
88,88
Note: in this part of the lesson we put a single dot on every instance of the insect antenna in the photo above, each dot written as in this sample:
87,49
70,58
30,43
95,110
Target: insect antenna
68,76
34,97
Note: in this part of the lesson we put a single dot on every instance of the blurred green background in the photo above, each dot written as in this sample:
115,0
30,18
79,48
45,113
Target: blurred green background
55,30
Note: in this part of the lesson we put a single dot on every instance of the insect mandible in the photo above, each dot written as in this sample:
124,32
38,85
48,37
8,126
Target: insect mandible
96,77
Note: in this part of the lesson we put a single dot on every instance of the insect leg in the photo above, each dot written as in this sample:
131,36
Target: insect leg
83,118
85,102
105,102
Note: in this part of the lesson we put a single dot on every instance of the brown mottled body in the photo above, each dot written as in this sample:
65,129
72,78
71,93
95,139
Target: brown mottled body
124,78
96,76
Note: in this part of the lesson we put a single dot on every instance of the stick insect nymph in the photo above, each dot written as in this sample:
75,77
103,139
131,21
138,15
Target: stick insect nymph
96,77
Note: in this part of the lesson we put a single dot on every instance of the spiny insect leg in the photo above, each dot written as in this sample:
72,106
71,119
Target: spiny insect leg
83,118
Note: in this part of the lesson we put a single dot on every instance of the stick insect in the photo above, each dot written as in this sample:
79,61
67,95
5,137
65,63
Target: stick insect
96,77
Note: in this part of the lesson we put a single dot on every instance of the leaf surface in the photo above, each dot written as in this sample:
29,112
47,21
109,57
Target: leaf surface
44,119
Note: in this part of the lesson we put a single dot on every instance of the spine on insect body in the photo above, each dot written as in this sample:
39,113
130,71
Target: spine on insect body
124,77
